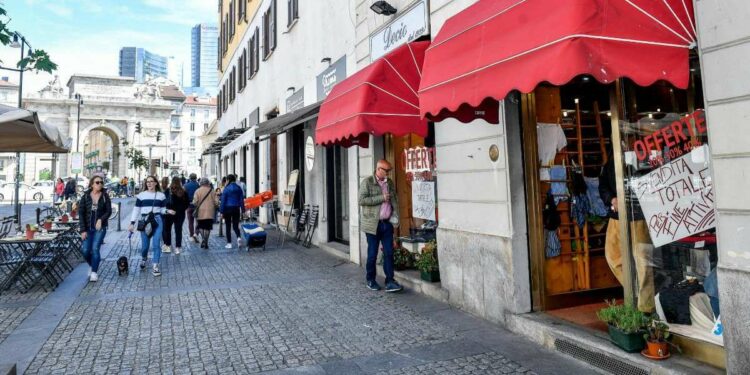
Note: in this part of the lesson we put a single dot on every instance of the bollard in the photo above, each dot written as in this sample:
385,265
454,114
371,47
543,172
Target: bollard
38,214
119,216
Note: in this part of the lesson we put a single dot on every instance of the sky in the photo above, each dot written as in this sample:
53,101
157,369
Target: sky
85,36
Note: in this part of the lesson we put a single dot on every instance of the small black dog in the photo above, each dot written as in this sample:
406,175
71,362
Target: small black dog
122,265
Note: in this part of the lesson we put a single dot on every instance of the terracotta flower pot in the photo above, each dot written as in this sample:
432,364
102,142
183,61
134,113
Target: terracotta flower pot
47,225
64,218
29,234
74,214
657,348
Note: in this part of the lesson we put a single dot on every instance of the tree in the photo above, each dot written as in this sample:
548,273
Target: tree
137,160
37,60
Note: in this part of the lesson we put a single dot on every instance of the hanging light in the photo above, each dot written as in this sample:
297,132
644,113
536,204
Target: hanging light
383,8
15,43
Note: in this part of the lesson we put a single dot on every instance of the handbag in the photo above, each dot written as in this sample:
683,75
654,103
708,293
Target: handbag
195,211
149,224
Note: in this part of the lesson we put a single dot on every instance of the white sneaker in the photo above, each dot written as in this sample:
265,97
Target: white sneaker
177,251
90,271
166,249
228,246
94,277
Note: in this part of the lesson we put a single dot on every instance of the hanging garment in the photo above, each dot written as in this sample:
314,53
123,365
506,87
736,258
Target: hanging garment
552,244
596,205
559,188
579,209
550,139
675,301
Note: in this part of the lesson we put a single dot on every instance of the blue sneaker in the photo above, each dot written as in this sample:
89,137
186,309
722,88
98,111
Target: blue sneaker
373,285
393,287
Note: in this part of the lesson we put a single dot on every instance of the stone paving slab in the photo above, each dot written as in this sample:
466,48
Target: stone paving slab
288,311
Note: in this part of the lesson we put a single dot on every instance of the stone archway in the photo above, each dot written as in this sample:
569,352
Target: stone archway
118,165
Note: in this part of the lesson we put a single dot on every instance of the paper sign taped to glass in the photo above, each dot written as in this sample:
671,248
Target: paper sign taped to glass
423,199
677,198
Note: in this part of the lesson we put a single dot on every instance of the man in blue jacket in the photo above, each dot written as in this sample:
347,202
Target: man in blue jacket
231,208
190,187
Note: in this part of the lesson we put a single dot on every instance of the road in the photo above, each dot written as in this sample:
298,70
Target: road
28,209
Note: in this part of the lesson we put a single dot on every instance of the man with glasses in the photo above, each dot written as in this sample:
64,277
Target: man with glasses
377,196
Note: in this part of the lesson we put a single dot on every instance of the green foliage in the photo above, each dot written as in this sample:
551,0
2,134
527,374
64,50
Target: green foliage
657,331
45,174
402,258
136,158
38,61
625,317
427,261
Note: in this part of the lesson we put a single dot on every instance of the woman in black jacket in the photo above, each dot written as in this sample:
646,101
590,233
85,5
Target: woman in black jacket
95,208
177,204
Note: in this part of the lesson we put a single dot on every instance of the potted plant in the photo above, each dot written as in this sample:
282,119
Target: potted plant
626,325
657,340
47,223
402,259
427,262
64,218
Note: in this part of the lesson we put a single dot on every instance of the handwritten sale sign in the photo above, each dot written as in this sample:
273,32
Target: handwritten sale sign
423,199
677,198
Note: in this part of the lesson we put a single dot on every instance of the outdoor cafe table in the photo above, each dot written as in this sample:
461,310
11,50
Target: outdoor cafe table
25,250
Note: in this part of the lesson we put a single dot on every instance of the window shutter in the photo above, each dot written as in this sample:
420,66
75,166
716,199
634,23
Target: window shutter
289,12
256,55
273,26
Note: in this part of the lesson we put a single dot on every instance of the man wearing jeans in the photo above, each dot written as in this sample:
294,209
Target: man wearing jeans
190,187
377,196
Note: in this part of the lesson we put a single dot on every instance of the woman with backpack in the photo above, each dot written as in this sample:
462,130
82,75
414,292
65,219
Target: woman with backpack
95,208
177,201
205,203
150,206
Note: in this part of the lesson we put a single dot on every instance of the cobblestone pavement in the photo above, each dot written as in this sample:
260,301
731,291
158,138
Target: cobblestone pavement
280,310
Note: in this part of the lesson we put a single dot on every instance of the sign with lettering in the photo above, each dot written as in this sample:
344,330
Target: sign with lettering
330,77
677,198
419,163
309,153
409,26
295,101
678,133
76,162
423,200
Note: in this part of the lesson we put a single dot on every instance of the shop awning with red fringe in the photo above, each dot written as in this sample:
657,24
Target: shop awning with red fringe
496,46
381,98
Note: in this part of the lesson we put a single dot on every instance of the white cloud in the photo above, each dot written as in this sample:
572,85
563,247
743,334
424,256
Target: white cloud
59,9
183,14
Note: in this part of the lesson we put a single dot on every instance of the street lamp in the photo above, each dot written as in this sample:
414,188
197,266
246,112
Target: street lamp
79,101
19,41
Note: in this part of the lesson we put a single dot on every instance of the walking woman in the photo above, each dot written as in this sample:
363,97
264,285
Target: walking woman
231,209
95,208
177,201
59,190
165,189
152,200
205,202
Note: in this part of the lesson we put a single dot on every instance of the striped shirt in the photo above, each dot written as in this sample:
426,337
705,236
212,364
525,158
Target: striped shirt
147,202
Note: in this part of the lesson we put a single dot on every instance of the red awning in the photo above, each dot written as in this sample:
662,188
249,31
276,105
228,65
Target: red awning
496,46
381,98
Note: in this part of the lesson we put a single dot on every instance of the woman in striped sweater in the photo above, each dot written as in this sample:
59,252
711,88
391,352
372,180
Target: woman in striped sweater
150,200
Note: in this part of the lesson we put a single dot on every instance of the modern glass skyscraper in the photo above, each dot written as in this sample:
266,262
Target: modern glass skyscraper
204,52
139,63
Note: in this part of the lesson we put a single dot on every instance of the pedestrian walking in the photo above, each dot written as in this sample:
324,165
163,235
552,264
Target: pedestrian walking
190,187
123,187
131,187
177,202
70,189
150,201
231,208
165,189
205,202
95,208
377,197
59,189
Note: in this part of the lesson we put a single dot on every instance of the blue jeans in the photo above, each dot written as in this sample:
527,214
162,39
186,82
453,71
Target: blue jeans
383,235
711,286
154,241
90,247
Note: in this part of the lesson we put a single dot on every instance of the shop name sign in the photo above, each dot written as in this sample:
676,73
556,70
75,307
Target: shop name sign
296,100
330,77
678,132
677,198
409,26
419,163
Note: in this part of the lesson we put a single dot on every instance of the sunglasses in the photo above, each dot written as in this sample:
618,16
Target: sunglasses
98,182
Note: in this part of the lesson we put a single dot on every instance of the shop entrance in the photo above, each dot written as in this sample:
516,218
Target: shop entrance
567,142
337,181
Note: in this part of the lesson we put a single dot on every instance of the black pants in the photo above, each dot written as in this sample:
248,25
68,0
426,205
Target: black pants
177,221
232,221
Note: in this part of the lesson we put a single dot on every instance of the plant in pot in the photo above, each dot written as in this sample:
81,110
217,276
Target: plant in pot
626,325
402,259
30,231
47,223
427,262
657,340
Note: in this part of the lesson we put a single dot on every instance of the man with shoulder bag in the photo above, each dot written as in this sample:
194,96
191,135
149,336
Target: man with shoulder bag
377,197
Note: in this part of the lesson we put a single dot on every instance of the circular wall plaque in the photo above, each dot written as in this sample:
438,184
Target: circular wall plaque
494,153
309,153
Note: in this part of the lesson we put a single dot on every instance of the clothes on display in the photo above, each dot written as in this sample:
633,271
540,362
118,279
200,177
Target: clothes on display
675,301
550,139
596,205
559,185
552,246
